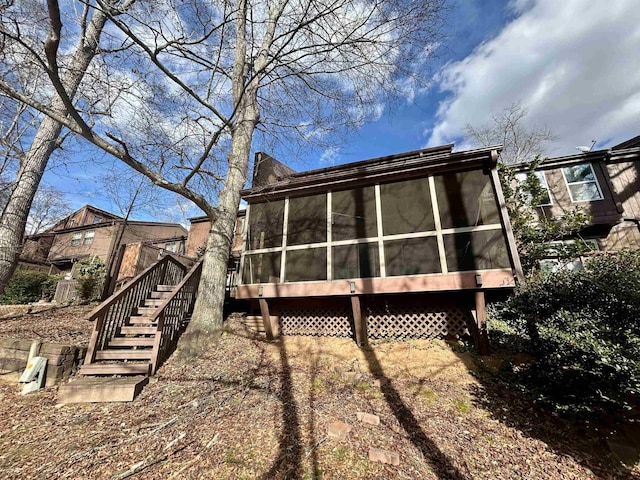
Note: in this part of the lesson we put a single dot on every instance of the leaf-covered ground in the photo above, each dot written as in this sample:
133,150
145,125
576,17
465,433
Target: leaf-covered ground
251,409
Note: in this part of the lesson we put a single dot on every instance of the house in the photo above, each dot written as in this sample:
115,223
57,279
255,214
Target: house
91,232
605,184
405,245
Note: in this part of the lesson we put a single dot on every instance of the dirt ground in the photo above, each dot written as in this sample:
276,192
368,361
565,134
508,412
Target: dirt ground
252,409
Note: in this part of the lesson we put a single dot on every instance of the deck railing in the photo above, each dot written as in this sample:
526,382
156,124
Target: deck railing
111,314
172,316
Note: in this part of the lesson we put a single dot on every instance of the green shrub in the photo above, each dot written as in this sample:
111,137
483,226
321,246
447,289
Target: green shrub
583,328
28,286
90,273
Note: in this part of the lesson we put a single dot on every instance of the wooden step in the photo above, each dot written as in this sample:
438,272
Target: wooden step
124,354
153,302
92,390
131,342
115,369
147,311
165,288
138,330
162,295
142,320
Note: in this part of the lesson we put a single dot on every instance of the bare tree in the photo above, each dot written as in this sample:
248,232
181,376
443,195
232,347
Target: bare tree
48,207
25,55
520,143
209,74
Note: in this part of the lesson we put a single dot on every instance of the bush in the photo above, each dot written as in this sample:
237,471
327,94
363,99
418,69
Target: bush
90,274
583,328
28,286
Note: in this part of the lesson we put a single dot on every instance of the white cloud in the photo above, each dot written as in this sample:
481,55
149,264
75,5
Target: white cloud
330,156
572,64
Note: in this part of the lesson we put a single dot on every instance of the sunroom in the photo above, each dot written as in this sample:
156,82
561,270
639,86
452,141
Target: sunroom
402,246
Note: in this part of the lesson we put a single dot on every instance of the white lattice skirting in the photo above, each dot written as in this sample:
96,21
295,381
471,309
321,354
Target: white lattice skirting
383,322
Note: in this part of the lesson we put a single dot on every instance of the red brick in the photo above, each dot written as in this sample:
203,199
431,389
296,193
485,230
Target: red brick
368,418
339,430
384,456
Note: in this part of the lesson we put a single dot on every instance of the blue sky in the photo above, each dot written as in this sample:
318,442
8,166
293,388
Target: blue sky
573,64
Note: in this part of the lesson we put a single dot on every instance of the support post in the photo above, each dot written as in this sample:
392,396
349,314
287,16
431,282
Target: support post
482,339
359,321
266,318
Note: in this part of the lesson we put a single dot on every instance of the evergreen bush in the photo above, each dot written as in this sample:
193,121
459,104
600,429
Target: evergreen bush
28,286
583,329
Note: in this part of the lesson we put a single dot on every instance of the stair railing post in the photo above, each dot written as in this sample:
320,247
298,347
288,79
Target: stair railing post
155,356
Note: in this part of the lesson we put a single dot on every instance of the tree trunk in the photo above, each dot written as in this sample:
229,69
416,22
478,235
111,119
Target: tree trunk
32,166
207,315
14,216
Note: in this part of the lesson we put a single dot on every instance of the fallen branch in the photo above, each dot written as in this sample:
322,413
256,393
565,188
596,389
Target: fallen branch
152,460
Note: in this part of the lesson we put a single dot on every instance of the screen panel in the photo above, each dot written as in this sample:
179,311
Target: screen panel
466,199
406,207
262,268
476,251
353,214
307,220
265,224
356,261
306,265
411,256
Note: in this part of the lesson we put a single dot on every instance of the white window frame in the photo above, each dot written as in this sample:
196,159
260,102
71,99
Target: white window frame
88,237
595,180
542,177
76,239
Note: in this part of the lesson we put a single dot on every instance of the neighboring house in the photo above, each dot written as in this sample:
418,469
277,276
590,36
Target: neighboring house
407,244
605,184
197,241
90,231
139,255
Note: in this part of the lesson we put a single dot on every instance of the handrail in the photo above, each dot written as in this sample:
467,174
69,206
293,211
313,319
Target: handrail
113,312
137,279
179,304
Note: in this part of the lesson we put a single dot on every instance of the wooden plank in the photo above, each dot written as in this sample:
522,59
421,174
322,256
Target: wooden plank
266,320
360,321
87,390
131,342
138,330
124,354
481,321
491,279
115,369
506,225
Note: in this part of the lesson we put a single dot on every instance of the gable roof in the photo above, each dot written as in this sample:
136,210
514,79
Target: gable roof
632,142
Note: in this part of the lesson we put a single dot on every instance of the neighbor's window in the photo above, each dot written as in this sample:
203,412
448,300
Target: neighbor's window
97,219
76,239
582,183
88,237
545,198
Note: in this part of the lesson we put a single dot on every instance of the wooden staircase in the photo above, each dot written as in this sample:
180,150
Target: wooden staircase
135,330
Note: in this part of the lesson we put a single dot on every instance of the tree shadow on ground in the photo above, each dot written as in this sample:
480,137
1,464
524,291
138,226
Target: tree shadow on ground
439,462
288,463
583,442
